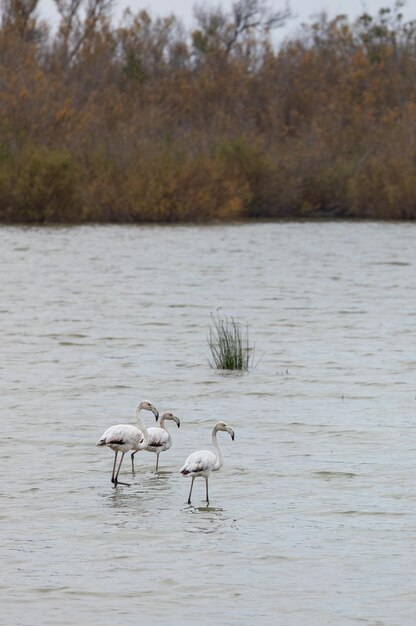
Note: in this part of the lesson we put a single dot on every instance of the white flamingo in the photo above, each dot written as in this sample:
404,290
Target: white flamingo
203,462
125,437
159,438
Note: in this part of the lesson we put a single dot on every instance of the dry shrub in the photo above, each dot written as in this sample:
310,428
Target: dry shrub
169,189
40,185
145,123
384,188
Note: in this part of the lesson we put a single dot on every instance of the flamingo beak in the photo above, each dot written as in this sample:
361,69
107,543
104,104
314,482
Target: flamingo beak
178,422
231,433
155,412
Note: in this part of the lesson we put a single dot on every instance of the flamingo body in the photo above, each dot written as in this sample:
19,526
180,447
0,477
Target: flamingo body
121,438
199,463
159,440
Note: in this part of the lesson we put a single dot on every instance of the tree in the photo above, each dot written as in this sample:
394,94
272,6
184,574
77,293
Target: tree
20,18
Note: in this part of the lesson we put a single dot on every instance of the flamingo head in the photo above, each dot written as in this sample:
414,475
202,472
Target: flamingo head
224,426
148,406
170,416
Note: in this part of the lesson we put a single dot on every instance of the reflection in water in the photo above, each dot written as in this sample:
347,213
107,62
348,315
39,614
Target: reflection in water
147,489
205,509
311,518
206,519
118,499
327,475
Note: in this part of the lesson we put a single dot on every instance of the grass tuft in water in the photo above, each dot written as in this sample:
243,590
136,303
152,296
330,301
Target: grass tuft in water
229,344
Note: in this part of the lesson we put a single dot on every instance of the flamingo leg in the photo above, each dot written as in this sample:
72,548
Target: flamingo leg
206,488
190,491
116,480
132,461
114,466
157,461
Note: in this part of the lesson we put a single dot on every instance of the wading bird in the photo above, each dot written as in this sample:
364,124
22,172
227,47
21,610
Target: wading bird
125,437
203,462
159,438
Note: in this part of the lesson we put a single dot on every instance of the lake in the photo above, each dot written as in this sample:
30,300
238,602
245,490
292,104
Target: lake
311,519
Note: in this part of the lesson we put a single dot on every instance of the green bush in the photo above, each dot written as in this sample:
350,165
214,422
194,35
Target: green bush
229,345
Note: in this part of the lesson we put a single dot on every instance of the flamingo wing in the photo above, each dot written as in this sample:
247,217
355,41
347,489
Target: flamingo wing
198,462
158,437
121,434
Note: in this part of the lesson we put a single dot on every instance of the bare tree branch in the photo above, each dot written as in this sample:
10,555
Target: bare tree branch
246,16
79,19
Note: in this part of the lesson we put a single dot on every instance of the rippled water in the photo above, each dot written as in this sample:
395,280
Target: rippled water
311,519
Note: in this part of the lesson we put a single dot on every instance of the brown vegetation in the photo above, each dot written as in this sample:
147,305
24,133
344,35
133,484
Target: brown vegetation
145,122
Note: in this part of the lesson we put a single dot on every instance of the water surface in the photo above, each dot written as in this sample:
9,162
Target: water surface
311,519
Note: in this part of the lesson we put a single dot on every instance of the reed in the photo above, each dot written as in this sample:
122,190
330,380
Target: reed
229,344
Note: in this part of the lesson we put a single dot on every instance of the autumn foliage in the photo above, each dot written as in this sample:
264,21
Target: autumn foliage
144,121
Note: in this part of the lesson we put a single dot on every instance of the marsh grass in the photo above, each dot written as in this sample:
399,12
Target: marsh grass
229,343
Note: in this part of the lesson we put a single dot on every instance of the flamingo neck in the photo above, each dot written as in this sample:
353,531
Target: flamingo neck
143,428
219,462
162,424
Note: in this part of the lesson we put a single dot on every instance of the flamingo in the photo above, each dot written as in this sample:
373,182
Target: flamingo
203,462
125,437
159,438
